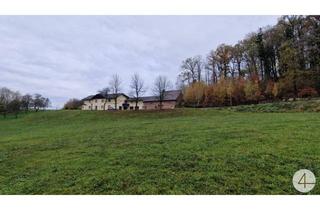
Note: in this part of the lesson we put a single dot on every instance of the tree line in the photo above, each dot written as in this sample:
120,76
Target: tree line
12,102
276,62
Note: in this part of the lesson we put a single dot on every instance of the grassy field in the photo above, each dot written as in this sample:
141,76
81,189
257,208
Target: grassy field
185,151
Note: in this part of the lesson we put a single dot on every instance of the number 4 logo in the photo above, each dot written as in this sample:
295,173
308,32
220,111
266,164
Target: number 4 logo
304,180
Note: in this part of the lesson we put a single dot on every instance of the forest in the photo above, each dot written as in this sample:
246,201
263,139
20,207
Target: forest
280,62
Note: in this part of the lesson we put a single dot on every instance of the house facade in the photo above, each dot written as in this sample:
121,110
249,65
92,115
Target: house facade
100,102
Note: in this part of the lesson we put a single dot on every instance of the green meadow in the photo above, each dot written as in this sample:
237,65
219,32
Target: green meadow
182,151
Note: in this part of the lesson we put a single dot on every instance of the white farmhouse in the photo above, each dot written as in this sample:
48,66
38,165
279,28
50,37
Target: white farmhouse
118,101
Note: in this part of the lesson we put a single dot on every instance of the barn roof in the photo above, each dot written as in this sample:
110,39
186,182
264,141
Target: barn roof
171,95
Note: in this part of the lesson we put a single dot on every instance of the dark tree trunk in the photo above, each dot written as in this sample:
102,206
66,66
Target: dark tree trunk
239,69
115,103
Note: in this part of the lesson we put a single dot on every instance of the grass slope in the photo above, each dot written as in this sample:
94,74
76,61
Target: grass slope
292,106
185,151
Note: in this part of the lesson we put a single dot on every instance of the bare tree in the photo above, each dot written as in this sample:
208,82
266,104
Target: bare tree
8,101
237,58
191,69
26,102
37,101
161,84
137,86
105,92
200,66
40,102
12,102
211,66
115,84
14,106
223,55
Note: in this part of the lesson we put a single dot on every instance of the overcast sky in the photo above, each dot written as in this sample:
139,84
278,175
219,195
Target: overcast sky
66,57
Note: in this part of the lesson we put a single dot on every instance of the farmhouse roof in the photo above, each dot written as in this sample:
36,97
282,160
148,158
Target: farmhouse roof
87,98
170,95
113,96
102,96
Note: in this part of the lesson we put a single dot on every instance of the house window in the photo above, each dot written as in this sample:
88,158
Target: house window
120,107
96,100
109,100
96,107
101,107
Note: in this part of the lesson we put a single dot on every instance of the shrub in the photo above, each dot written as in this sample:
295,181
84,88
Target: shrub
275,90
252,91
220,92
73,104
307,92
194,94
269,94
209,96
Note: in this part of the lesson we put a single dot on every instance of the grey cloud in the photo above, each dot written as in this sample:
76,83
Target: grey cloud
73,56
